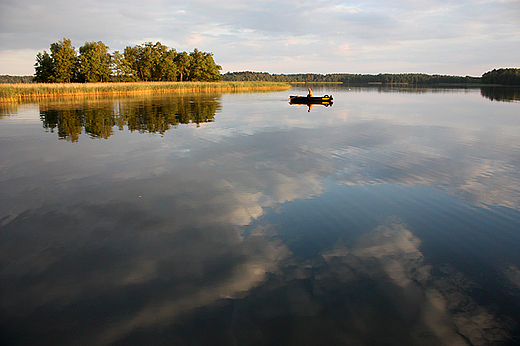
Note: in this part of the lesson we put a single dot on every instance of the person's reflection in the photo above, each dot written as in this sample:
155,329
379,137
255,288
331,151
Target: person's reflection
310,107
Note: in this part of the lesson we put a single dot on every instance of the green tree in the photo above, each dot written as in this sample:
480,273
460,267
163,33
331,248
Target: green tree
145,61
44,68
157,53
65,61
211,69
121,68
168,69
155,62
196,72
203,67
131,62
183,62
94,62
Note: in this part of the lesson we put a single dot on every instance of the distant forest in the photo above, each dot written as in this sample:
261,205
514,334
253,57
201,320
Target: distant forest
503,76
15,79
510,76
406,78
147,62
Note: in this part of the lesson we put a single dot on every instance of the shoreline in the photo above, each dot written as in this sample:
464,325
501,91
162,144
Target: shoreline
36,91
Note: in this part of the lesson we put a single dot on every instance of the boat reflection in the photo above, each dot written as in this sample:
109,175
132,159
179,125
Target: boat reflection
310,101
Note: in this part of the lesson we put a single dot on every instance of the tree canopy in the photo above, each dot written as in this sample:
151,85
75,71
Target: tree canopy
94,62
146,62
65,61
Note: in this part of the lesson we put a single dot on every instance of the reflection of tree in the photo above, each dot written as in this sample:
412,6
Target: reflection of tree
7,109
66,121
158,117
98,122
501,93
145,115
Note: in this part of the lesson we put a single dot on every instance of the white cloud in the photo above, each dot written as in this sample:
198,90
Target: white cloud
406,33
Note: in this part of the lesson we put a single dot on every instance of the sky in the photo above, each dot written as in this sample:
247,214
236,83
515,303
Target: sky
451,37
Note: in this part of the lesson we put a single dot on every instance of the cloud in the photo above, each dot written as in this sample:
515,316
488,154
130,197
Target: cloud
396,28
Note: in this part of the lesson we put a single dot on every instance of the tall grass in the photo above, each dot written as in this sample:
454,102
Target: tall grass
18,92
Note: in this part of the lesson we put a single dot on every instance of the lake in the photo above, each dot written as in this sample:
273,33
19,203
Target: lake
391,217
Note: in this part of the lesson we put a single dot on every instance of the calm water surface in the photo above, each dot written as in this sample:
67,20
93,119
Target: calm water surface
390,218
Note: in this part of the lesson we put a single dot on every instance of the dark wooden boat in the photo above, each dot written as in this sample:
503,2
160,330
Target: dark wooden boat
311,99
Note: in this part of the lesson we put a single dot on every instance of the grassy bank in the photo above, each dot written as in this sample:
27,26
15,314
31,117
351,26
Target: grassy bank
18,92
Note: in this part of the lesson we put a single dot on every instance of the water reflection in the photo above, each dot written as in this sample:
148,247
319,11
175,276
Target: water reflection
435,305
111,280
131,271
507,94
268,227
494,93
310,105
210,285
145,115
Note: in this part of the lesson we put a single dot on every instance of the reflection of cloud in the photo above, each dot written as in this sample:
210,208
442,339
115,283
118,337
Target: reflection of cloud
396,251
512,274
482,171
123,252
245,275
379,289
477,165
440,305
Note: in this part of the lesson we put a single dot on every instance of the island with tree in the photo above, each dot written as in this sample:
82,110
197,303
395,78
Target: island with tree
141,63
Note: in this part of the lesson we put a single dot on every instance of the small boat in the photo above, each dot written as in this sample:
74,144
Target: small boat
311,99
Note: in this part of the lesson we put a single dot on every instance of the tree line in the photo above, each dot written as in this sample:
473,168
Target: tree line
5,79
404,78
503,76
147,62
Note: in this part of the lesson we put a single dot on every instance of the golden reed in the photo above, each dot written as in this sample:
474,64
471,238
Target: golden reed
19,92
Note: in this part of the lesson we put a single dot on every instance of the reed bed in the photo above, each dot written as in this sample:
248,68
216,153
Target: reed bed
19,92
